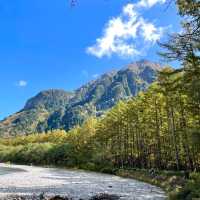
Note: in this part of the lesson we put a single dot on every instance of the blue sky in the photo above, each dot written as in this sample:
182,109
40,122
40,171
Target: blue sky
48,44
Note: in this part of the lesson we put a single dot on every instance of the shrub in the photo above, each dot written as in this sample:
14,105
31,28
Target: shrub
190,191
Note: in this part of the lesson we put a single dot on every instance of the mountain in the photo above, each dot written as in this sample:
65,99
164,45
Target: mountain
58,109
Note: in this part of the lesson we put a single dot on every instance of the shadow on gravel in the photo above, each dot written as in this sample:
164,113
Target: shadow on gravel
42,197
7,170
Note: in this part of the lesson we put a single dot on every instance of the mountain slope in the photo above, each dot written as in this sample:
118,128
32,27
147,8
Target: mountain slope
58,109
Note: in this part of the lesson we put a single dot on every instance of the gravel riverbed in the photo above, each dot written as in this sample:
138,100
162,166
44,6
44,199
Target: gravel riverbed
28,180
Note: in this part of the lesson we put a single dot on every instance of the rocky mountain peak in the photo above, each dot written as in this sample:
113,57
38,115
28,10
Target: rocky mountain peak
58,109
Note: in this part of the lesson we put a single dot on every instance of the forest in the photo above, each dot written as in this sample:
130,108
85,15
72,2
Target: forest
157,129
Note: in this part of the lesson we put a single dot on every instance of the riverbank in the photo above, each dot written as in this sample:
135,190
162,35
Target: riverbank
77,184
171,182
178,185
175,185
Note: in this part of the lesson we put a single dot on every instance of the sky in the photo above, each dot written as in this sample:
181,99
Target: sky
50,44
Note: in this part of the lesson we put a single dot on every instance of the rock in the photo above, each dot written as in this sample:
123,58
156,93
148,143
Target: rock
105,197
175,181
60,198
40,197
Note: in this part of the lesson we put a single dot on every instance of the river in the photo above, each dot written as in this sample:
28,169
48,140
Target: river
29,180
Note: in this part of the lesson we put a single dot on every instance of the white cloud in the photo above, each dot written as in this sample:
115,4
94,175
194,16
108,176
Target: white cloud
121,34
149,3
150,32
22,83
95,75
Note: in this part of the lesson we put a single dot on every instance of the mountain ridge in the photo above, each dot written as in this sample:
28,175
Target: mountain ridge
60,109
